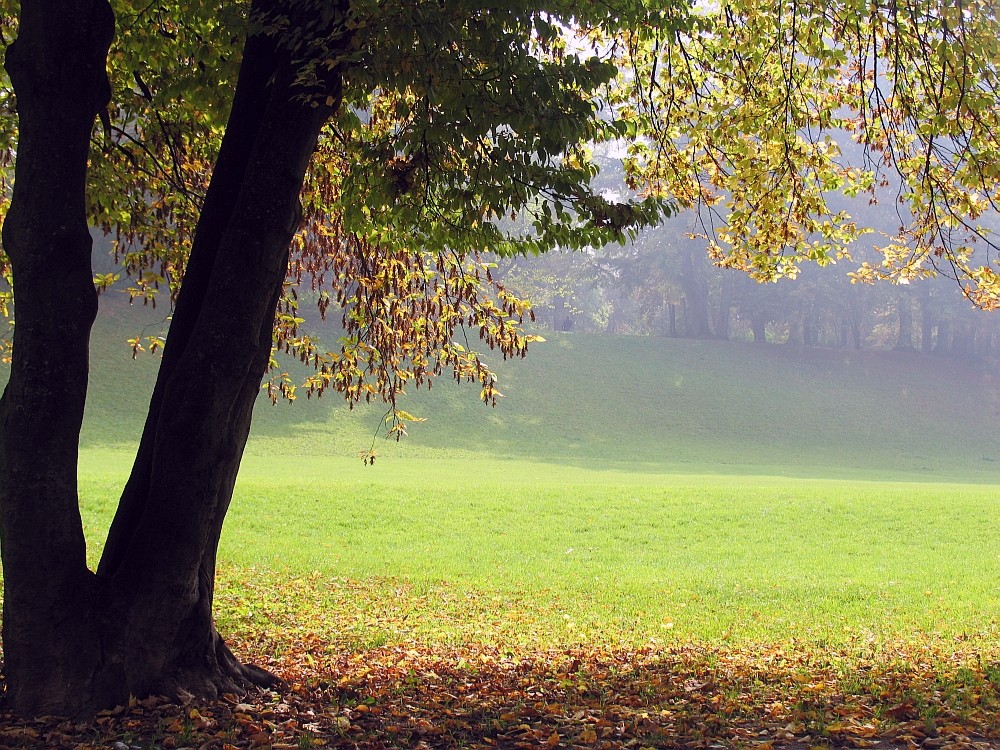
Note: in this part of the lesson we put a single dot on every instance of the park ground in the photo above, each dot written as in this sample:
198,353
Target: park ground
715,546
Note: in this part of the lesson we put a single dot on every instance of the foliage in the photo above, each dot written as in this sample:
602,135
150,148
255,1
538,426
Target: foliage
472,118
430,156
746,107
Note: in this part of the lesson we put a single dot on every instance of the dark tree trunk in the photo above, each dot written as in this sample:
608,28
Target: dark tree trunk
163,548
75,641
57,67
722,320
904,307
850,332
963,340
926,319
856,333
810,324
926,334
259,63
758,326
943,343
562,315
794,333
692,279
724,312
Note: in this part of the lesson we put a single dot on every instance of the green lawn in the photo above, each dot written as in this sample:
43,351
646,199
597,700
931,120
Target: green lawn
627,490
512,551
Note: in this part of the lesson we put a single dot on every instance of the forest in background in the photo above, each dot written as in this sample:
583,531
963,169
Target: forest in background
665,284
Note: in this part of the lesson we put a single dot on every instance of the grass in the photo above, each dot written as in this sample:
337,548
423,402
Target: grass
628,490
650,542
693,407
515,551
637,404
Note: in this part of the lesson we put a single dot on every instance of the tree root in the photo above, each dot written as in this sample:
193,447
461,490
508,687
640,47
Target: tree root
218,674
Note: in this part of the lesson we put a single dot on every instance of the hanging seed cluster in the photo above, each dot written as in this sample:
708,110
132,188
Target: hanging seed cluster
405,315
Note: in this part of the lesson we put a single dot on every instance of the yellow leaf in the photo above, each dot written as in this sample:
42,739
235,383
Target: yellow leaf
407,417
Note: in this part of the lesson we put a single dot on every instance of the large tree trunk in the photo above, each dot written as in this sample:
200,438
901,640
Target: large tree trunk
75,641
57,66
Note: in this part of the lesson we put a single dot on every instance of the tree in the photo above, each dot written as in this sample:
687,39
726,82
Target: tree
370,149
752,111
77,640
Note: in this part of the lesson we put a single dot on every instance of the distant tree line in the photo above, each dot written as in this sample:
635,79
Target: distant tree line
664,284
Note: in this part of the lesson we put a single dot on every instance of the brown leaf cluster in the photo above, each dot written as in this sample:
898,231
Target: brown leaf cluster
691,696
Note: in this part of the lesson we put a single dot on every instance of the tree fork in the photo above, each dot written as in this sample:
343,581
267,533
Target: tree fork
258,65
167,564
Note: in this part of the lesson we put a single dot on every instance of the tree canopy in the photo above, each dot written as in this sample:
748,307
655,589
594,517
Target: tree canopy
472,131
361,155
771,109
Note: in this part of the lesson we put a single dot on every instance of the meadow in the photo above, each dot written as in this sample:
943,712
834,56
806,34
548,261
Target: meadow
627,491
648,543
521,552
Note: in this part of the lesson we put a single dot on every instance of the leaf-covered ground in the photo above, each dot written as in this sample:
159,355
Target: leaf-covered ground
943,694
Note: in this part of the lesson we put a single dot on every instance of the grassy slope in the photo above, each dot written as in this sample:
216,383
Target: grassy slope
595,499
642,403
819,609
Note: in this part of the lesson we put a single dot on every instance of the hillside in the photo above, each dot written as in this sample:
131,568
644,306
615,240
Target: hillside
667,404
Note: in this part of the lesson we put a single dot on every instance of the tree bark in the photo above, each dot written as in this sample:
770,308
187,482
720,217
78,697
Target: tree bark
758,326
163,558
57,67
962,340
794,337
926,319
724,312
809,326
942,344
258,65
76,641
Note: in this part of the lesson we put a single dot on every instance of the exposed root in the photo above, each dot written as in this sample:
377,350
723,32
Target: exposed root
218,672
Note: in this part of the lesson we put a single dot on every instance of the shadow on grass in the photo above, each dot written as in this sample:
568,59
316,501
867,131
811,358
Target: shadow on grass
931,696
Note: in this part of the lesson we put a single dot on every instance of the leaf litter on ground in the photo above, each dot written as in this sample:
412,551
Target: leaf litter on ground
936,694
